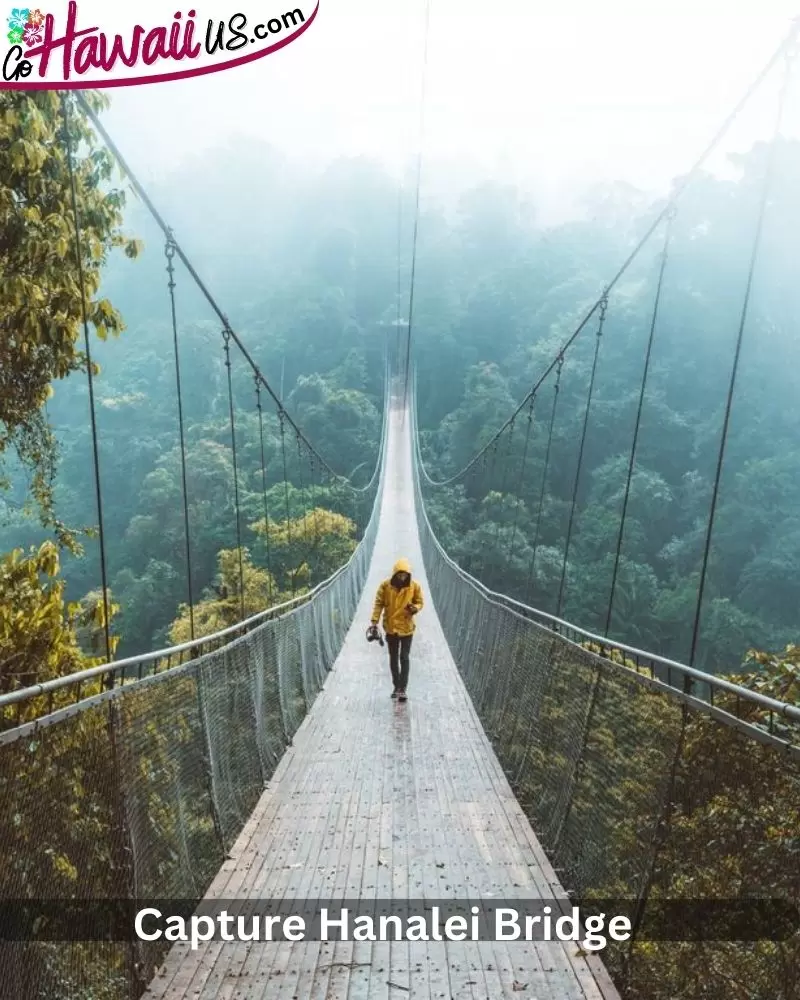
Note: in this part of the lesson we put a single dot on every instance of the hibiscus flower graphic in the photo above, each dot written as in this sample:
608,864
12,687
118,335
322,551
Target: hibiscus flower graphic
32,34
19,18
35,18
15,36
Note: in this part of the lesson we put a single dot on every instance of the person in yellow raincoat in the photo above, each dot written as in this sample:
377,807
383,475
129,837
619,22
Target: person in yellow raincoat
398,599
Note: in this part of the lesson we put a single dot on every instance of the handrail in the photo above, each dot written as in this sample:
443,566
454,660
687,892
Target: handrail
113,669
773,705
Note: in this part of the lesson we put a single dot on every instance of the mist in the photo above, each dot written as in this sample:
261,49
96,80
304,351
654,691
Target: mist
553,98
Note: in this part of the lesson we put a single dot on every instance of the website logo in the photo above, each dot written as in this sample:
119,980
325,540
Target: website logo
94,45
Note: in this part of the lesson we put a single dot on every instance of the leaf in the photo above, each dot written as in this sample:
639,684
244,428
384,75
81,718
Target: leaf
133,248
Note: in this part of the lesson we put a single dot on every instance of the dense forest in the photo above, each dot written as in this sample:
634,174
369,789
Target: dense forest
306,267
309,276
325,356
522,292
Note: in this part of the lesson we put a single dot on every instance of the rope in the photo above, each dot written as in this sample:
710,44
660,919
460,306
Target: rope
784,47
765,192
169,252
89,373
416,208
227,344
260,409
598,340
637,425
556,391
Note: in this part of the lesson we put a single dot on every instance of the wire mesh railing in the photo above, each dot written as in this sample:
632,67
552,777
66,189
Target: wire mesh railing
132,781
671,793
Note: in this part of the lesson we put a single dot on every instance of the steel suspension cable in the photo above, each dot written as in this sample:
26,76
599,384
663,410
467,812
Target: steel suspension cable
398,339
678,191
303,490
89,369
556,390
416,206
504,481
227,345
311,548
487,479
579,469
766,189
260,409
314,499
203,288
523,466
638,422
479,477
169,253
282,420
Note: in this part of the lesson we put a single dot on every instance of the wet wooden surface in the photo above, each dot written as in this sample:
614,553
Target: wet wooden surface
382,800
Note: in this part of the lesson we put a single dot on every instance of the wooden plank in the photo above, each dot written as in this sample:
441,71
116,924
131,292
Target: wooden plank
378,800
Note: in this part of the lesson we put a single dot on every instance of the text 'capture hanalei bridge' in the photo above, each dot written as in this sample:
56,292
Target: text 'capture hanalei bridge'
536,762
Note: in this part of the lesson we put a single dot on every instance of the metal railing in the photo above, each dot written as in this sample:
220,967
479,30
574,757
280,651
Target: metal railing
655,789
696,688
70,691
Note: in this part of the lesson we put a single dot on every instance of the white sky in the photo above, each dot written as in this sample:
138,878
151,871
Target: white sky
551,93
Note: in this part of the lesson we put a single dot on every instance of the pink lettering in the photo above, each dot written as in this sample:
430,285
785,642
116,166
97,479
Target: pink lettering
86,55
155,46
50,43
108,60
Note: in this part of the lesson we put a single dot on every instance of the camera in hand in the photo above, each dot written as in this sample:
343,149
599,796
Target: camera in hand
374,635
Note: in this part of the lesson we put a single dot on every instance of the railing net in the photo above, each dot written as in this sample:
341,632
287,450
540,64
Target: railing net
140,792
639,796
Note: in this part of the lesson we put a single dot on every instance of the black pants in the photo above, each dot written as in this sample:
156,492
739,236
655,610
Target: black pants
399,648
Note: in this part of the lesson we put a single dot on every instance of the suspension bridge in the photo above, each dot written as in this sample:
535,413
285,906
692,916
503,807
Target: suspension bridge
265,763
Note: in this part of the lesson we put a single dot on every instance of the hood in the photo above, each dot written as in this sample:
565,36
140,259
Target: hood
402,566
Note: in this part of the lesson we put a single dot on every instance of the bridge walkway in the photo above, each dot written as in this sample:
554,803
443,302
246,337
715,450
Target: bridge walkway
381,800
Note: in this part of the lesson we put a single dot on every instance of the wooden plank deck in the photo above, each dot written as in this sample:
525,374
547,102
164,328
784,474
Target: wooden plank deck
381,800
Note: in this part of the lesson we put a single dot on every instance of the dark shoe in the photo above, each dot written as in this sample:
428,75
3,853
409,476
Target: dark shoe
402,696
395,693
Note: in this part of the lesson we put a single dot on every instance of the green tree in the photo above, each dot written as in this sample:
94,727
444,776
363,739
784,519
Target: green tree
308,548
222,605
40,634
40,295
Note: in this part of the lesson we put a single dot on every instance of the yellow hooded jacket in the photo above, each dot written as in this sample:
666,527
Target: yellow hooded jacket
393,602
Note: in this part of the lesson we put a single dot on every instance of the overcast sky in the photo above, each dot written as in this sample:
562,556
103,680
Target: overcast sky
550,93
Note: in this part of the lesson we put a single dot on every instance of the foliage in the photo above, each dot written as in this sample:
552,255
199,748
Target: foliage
41,636
229,603
496,297
635,797
530,301
733,836
320,538
40,296
490,320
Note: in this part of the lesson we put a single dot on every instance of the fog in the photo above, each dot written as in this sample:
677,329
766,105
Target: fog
552,96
